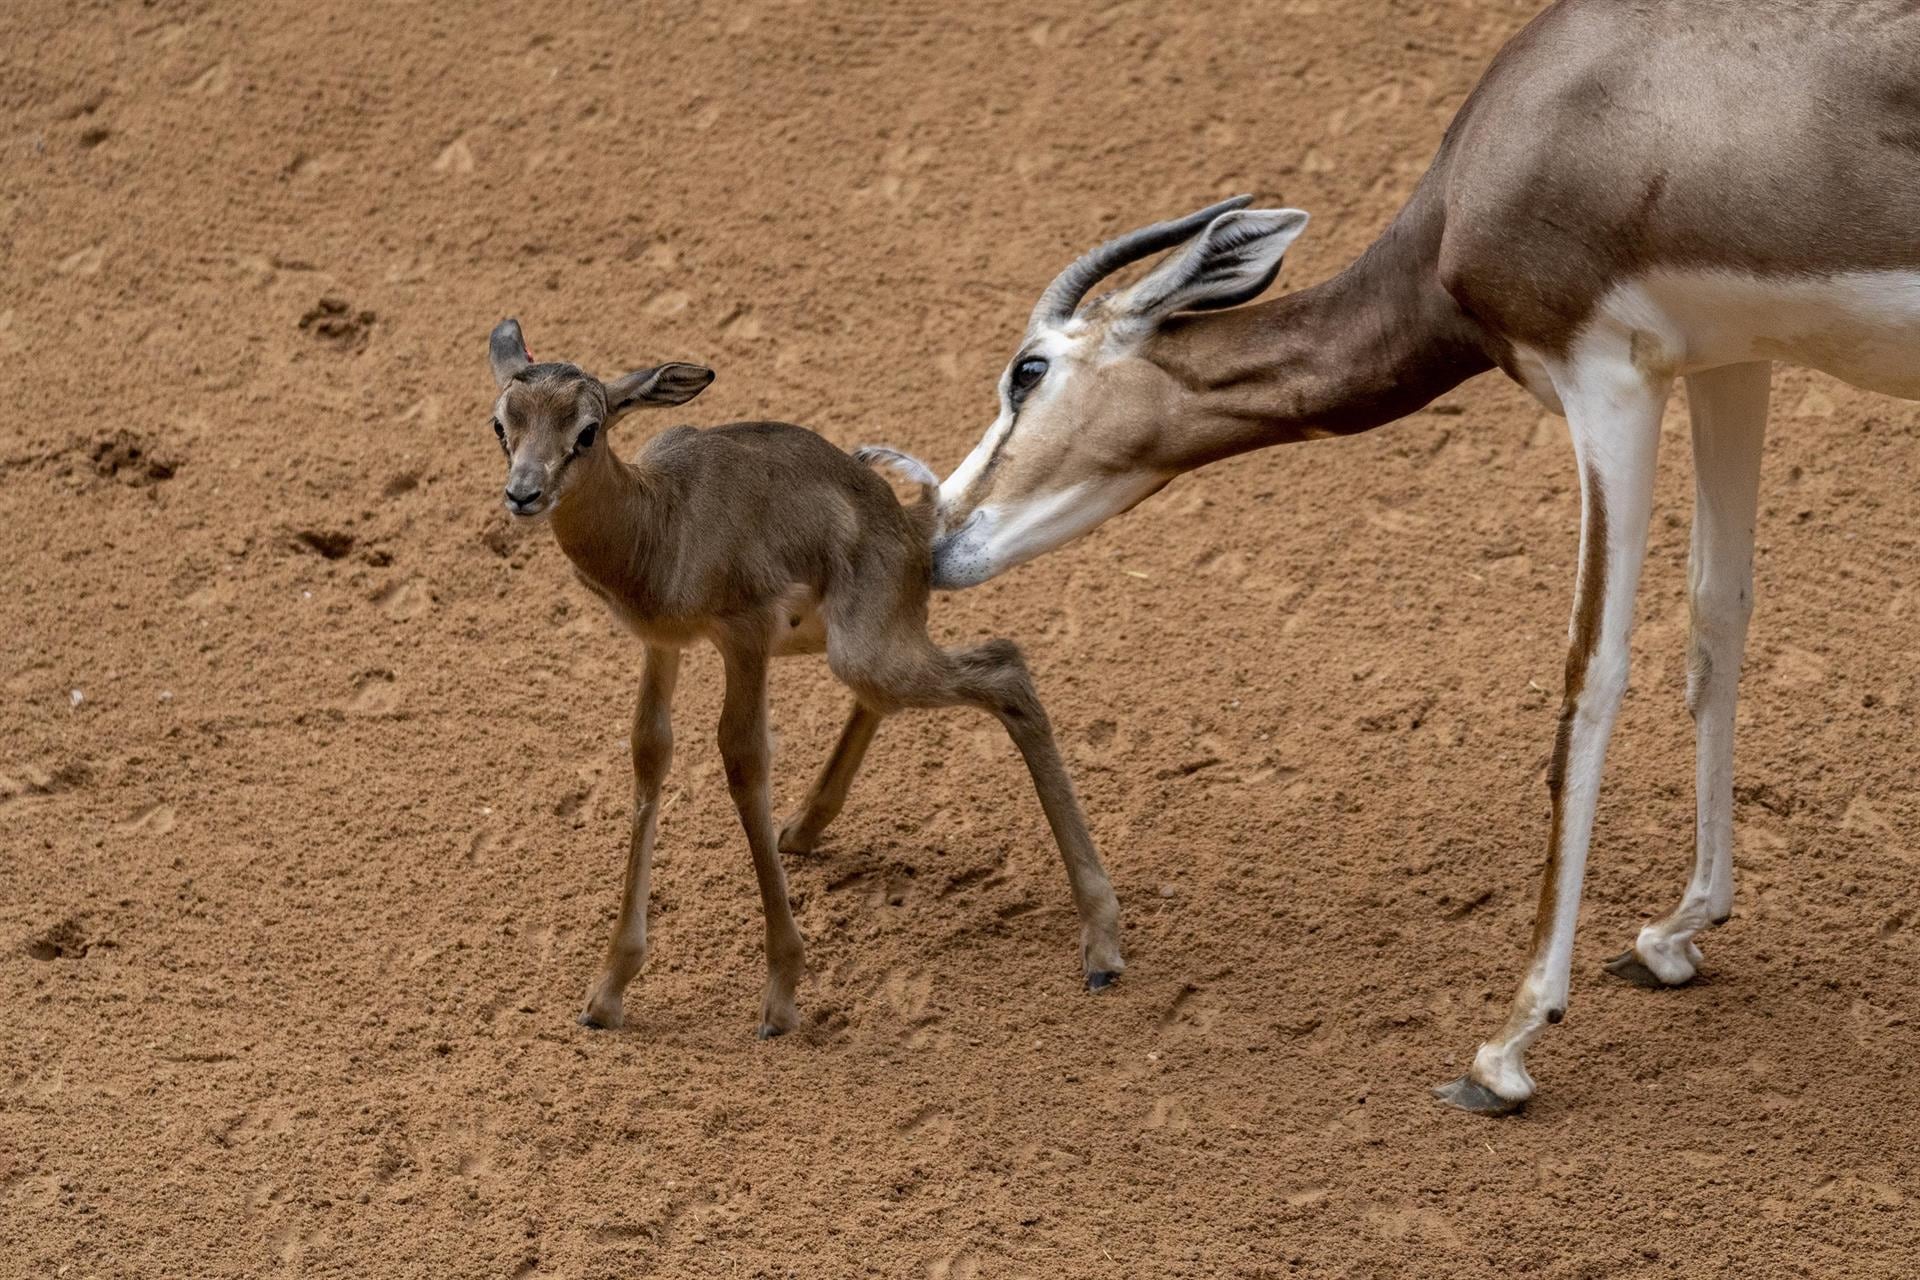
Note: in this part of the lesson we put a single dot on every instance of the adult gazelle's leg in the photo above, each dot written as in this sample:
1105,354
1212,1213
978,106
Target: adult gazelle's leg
829,790
747,752
1729,409
652,753
1613,409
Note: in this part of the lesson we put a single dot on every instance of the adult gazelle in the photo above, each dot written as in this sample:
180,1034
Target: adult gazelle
1632,194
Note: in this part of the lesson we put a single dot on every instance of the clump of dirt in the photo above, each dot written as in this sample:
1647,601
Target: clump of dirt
130,458
37,780
328,544
64,941
338,323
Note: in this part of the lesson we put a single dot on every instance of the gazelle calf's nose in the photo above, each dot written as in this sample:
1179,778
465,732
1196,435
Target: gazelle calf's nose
523,499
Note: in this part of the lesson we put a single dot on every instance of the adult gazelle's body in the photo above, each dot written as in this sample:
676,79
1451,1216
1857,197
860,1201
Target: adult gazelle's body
1633,193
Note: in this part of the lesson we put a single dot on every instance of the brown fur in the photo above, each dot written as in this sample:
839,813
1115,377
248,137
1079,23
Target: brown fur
764,539
1590,595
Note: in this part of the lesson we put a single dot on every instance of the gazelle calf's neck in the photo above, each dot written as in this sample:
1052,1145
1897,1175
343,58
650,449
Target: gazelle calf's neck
606,522
1369,346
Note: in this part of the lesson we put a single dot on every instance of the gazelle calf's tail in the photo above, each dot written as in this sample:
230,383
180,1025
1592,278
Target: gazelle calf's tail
925,512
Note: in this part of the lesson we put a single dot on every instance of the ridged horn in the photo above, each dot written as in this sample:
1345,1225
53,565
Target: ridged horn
1073,284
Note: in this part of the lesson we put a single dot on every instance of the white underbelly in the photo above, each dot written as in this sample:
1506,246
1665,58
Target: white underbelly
1861,327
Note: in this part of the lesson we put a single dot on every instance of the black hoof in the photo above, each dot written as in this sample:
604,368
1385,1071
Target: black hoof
1627,965
1469,1094
1101,979
767,1031
588,1020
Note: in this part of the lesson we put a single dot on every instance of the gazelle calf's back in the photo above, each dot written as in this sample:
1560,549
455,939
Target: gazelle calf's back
764,539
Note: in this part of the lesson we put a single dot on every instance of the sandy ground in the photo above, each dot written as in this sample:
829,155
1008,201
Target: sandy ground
312,775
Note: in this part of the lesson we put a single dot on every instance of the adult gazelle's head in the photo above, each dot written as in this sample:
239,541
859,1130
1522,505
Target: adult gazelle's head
1082,406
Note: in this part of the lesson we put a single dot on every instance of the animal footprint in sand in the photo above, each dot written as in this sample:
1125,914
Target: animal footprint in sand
402,600
154,820
456,157
1193,1011
86,262
1413,1222
909,992
929,1122
1169,1115
955,1266
374,694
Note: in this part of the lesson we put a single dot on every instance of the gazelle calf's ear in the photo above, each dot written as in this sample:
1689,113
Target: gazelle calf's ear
1229,263
672,383
507,351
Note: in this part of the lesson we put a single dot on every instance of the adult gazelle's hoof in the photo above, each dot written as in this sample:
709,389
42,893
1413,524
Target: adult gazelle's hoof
1627,965
1656,964
1101,979
1469,1094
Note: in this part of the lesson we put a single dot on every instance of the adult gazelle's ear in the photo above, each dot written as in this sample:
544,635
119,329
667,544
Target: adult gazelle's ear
663,385
507,351
1229,263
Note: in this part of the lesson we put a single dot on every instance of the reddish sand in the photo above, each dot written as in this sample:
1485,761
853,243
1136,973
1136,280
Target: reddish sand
313,789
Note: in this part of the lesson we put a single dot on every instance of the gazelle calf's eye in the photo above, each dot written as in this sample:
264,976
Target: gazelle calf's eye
499,432
584,441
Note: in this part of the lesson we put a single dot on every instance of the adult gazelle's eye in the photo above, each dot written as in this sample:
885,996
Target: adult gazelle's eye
1025,377
499,432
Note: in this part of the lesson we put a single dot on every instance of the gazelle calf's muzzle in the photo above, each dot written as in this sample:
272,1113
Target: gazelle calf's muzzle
528,492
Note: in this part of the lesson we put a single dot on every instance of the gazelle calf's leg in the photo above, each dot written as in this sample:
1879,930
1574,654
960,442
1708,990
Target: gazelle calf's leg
652,753
994,678
829,790
1729,408
1614,412
747,752
1006,690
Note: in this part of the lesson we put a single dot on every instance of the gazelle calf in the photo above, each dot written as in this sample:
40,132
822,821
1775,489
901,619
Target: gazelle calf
766,540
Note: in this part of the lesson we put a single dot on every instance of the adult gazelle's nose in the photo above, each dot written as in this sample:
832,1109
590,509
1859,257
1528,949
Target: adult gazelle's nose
521,500
960,557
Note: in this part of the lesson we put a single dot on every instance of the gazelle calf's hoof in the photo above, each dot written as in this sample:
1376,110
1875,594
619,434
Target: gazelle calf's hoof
603,1013
1469,1094
795,838
777,1017
1100,959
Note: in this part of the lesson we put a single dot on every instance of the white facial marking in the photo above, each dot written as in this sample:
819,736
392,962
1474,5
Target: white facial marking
957,484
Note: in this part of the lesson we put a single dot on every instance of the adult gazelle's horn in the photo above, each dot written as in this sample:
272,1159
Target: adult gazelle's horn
1071,285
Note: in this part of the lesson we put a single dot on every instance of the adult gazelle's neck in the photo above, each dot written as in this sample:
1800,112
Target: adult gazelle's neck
1371,345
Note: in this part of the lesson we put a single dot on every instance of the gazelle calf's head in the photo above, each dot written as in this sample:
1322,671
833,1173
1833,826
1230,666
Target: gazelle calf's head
1082,404
549,416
